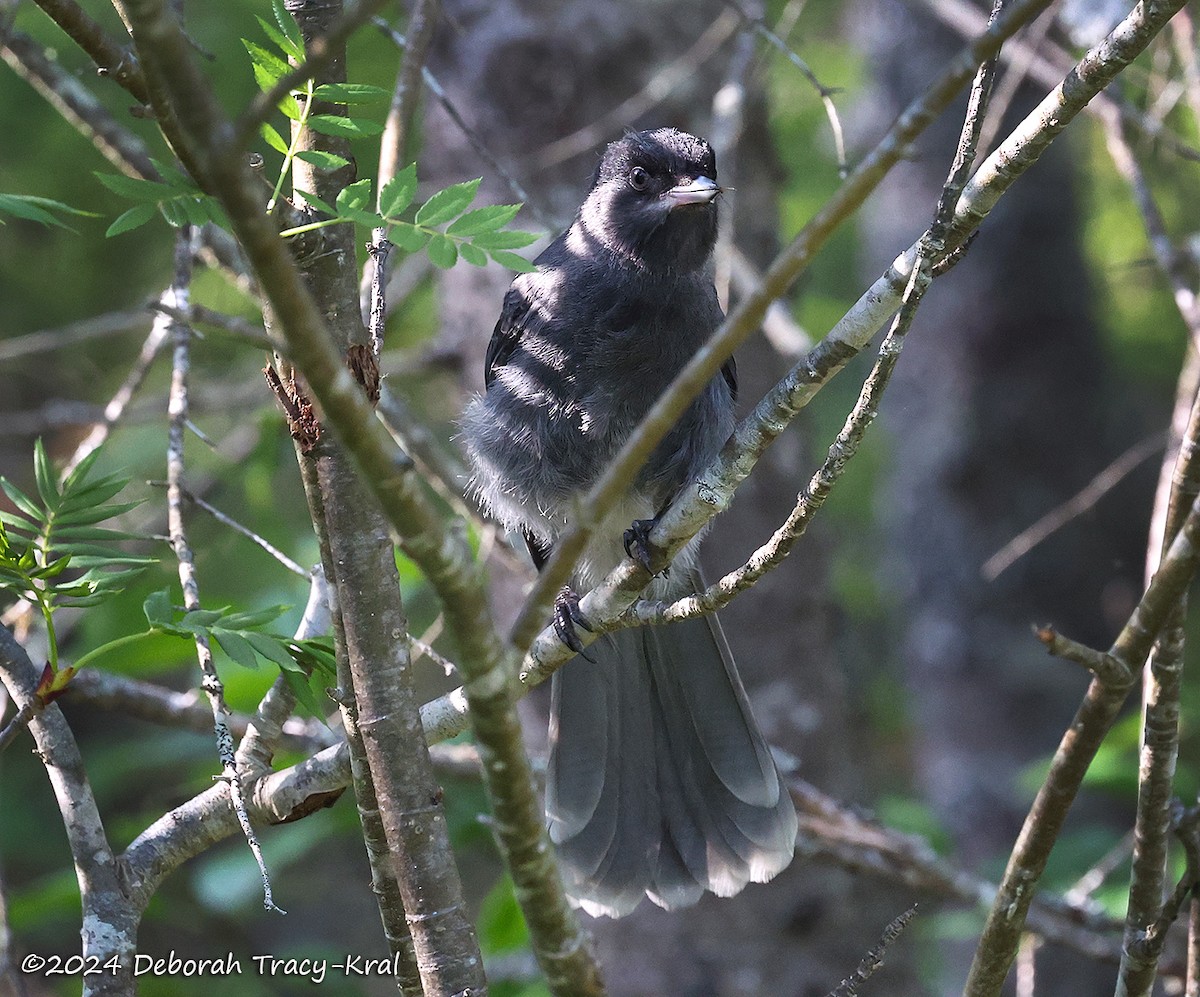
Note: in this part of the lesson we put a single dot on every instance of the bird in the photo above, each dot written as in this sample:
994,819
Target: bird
659,782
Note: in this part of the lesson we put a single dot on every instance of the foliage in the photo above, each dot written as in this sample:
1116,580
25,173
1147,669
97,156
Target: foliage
43,210
44,546
442,226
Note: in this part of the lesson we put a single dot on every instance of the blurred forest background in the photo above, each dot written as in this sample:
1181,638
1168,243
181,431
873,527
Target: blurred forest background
897,670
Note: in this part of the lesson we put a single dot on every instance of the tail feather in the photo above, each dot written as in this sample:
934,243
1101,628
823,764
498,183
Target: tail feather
660,781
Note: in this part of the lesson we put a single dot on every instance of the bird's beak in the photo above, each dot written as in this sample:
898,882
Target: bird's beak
700,190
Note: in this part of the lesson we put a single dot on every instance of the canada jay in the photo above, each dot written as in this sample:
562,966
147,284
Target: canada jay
659,782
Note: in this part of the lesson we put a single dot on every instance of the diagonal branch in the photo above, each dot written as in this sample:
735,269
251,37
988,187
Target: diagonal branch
111,58
109,927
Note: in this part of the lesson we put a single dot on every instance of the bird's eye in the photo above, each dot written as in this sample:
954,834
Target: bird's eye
638,178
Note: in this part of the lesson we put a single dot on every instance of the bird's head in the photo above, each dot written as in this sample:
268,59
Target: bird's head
653,200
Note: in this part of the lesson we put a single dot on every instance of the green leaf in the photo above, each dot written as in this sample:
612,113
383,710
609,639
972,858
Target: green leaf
322,160
301,688
173,212
158,609
236,646
19,524
174,178
268,67
272,649
485,219
38,209
335,124
109,560
272,137
398,193
317,203
43,473
279,38
442,251
287,24
512,261
506,239
135,217
22,501
133,187
254,618
408,237
53,569
473,255
448,203
354,197
290,107
85,517
350,93
201,618
85,533
94,493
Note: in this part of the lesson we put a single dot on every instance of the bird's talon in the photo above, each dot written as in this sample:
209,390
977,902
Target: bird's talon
638,545
568,616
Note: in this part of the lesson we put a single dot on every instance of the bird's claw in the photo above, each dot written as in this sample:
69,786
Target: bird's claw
638,545
568,616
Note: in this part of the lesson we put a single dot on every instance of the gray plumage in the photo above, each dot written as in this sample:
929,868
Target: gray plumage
660,782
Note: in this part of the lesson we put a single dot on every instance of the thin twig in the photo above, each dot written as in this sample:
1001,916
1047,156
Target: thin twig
221,517
873,960
395,145
46,340
1098,874
119,402
110,921
1072,508
826,93
1179,483
211,681
965,18
654,92
494,165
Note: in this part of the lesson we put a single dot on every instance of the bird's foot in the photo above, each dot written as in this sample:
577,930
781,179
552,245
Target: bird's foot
638,545
568,616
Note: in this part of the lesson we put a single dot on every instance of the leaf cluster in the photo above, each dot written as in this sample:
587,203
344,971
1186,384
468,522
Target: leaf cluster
176,197
442,226
240,635
53,550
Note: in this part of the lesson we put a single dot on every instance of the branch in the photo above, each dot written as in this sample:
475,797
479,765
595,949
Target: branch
180,710
112,60
117,405
443,555
109,921
211,681
966,19
1096,715
700,501
76,103
873,960
1072,508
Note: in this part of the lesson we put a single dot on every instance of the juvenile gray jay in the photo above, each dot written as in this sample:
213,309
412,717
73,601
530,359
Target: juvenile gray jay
660,782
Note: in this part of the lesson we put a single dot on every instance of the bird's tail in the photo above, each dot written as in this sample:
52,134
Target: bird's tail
660,781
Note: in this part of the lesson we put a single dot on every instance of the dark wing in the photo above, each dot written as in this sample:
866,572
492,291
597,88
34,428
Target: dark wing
509,328
729,372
